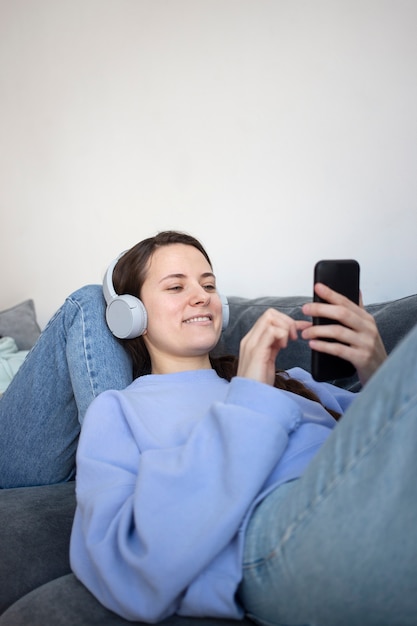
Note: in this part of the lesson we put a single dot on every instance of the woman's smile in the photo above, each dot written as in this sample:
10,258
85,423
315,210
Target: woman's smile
200,318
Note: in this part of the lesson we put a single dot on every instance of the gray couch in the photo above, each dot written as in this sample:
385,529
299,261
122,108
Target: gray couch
36,584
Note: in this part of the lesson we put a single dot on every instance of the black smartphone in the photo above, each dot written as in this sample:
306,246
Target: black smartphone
341,275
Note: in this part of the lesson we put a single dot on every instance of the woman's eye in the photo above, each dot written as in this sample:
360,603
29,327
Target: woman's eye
210,287
175,288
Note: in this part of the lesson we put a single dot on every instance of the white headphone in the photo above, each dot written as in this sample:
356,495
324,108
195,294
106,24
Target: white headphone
126,315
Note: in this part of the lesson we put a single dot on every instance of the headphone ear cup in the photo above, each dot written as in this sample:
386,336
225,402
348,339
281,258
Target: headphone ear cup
225,311
126,317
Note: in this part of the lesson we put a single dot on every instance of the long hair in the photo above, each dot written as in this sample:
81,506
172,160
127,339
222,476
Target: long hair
129,275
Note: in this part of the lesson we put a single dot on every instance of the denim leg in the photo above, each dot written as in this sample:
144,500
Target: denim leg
75,358
338,547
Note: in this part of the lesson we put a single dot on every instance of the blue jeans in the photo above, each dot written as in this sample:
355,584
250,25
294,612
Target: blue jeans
338,546
75,359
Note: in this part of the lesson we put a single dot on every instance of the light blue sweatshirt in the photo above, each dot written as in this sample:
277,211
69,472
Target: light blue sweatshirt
168,472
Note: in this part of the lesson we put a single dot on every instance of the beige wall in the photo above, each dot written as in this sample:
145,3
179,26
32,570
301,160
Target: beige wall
279,132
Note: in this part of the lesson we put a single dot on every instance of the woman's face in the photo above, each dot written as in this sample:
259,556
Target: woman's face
184,309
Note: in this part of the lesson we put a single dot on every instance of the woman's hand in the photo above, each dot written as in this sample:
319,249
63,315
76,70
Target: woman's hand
356,338
260,346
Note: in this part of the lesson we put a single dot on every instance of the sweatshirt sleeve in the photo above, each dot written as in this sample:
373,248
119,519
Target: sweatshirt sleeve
332,396
149,522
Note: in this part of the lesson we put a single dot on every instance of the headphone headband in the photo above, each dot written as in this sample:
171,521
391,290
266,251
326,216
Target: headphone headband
108,288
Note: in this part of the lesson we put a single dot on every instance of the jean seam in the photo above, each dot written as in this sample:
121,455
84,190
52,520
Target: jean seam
92,384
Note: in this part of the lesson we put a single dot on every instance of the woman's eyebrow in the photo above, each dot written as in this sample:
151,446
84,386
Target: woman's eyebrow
208,275
182,276
172,276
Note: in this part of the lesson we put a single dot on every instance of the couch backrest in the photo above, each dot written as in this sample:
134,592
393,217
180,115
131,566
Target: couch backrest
394,318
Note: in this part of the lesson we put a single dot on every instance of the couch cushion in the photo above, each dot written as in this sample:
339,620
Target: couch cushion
35,527
66,602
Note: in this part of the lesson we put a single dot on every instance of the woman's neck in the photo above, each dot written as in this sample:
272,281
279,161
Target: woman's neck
172,365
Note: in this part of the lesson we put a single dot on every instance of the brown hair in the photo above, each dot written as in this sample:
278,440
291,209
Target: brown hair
128,277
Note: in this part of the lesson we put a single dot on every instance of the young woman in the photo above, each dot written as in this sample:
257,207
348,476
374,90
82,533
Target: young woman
210,487
213,487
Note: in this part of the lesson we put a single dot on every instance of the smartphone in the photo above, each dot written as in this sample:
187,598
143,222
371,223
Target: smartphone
342,276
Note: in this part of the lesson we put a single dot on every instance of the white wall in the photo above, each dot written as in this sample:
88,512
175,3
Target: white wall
277,131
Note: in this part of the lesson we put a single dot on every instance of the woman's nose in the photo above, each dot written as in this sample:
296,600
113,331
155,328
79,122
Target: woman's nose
200,296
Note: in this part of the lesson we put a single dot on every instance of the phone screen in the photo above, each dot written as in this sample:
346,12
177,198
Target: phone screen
341,275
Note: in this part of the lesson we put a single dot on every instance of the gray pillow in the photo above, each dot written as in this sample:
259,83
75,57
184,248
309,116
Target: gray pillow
20,323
